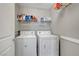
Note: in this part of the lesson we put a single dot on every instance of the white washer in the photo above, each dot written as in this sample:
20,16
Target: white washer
25,33
48,45
26,44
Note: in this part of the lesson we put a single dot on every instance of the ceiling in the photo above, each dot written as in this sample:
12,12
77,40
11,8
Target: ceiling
36,5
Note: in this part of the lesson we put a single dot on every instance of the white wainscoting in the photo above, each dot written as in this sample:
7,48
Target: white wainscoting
69,46
7,46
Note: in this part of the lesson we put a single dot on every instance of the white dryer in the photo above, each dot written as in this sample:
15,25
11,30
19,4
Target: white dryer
26,44
48,44
43,33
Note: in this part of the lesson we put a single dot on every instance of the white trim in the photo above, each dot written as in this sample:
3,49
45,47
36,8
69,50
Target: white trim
70,39
12,35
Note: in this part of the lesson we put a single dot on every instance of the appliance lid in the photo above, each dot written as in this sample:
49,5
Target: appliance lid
48,36
43,32
27,32
27,36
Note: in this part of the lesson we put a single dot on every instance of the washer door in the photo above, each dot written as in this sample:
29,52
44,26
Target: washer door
29,48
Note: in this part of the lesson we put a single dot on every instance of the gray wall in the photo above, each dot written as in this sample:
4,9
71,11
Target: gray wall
7,19
35,26
65,22
17,24
38,12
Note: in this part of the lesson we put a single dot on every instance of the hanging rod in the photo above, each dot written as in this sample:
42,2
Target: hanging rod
64,6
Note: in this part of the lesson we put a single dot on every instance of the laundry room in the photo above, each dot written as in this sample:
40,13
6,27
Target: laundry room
39,29
34,24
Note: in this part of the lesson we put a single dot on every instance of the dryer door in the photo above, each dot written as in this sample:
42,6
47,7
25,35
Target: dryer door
48,47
